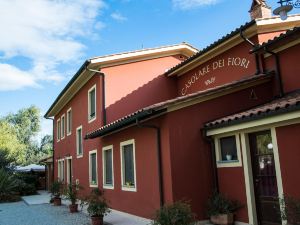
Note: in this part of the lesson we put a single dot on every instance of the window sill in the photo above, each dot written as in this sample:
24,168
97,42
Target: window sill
91,119
111,187
125,188
93,185
229,163
79,156
68,134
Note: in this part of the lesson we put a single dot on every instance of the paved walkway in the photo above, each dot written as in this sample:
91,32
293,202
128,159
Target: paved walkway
36,210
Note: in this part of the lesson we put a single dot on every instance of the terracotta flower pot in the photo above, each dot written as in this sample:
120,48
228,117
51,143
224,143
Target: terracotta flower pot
57,201
97,220
73,208
222,219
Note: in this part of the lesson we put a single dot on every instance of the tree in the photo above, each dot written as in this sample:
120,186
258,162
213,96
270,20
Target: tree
26,123
10,146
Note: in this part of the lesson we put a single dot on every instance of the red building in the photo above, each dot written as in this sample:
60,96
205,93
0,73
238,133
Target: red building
160,125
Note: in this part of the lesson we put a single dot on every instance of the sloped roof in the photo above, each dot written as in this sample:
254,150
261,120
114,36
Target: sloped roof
211,46
288,103
161,107
120,58
282,37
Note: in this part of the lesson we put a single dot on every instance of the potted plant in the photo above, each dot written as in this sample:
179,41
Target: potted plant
97,206
56,192
71,193
221,209
179,213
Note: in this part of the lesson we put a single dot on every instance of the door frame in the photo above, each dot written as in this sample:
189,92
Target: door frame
248,174
67,169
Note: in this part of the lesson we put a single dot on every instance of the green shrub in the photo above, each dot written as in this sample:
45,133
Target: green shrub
25,189
219,204
179,213
56,188
8,186
97,204
28,178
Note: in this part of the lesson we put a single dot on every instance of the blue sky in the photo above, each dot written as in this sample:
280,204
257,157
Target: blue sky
44,42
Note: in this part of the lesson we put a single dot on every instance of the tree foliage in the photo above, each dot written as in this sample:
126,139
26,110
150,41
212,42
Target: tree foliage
18,137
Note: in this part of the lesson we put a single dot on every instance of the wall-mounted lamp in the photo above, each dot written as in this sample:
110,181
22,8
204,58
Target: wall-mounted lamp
283,9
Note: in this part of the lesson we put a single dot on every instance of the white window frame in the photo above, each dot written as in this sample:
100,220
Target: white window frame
91,119
69,122
63,126
234,163
90,169
58,130
59,172
106,148
77,144
124,187
67,168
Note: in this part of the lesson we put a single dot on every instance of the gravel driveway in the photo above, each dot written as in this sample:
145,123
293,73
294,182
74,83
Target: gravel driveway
19,213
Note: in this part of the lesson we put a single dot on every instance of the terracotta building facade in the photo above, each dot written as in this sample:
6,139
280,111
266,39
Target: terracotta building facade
155,126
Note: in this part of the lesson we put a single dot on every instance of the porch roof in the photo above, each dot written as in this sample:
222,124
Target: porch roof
162,107
288,103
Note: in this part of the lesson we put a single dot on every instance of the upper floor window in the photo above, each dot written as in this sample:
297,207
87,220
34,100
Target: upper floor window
108,174
63,122
93,168
79,144
92,104
128,174
69,121
58,130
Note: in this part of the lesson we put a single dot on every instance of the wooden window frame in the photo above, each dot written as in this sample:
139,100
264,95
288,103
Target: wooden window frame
107,148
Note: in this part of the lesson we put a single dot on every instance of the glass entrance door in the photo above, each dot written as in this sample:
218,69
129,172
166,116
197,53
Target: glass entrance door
264,177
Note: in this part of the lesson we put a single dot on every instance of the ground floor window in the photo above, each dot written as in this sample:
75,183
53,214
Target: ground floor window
228,153
61,170
108,174
128,165
93,180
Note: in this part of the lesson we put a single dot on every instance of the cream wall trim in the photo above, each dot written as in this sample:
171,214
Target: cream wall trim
69,122
63,126
277,165
219,162
91,119
277,121
218,94
125,188
77,142
106,148
251,205
218,50
68,172
90,169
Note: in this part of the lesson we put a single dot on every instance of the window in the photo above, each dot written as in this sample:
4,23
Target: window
128,173
61,170
69,121
228,151
58,130
108,171
93,168
92,104
79,144
63,126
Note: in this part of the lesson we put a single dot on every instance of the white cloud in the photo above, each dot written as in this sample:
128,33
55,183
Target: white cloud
191,4
46,32
118,16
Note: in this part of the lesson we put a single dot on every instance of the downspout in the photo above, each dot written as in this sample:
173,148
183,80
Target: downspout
102,75
159,165
256,55
211,143
48,118
278,71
